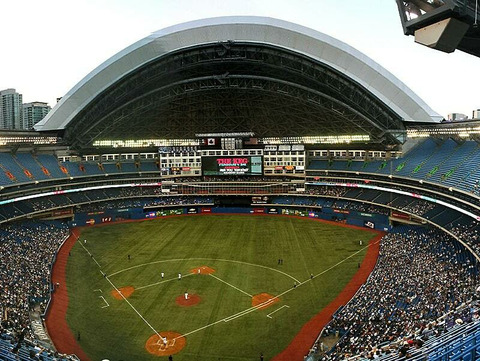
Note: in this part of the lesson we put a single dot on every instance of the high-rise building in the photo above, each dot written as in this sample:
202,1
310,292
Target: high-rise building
476,114
456,117
33,113
10,109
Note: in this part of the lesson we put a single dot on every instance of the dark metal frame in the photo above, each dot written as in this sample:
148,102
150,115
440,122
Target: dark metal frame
463,10
231,86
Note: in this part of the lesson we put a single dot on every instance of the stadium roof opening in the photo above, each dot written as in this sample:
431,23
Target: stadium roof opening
229,74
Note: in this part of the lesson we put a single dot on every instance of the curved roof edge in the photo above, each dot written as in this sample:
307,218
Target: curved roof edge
311,43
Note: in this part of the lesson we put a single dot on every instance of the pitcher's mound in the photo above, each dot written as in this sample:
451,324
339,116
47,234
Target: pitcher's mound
202,270
125,291
264,300
192,300
170,343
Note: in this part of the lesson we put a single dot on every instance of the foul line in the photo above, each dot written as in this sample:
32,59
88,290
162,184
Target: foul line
259,306
229,318
121,294
91,255
271,313
203,259
133,308
160,282
229,284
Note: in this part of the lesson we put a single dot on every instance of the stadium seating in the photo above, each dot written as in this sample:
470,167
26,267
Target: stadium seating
51,163
27,252
13,169
413,262
448,163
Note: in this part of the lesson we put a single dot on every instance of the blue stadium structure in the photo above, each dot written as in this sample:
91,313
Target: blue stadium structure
321,131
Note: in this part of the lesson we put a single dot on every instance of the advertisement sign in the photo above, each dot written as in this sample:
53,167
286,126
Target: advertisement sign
400,215
63,212
369,224
241,165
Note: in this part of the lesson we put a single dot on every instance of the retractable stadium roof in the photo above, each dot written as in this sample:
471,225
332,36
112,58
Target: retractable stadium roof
256,74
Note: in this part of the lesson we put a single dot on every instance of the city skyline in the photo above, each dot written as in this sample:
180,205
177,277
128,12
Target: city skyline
82,35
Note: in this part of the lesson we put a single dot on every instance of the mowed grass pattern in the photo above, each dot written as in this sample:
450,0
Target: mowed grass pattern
244,251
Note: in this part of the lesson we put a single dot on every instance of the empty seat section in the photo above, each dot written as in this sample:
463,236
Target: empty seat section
73,169
29,163
318,164
435,159
111,168
92,169
50,162
149,166
8,163
129,167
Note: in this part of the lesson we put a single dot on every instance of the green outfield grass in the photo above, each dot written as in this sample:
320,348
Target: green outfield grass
244,251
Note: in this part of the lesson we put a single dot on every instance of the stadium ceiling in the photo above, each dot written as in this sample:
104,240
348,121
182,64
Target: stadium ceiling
236,74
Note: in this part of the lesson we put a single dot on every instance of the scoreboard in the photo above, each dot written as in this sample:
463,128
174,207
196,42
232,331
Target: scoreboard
237,165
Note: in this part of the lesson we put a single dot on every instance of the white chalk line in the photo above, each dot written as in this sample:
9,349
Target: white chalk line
91,255
133,308
104,300
229,318
160,282
259,307
121,294
229,284
203,259
271,313
324,271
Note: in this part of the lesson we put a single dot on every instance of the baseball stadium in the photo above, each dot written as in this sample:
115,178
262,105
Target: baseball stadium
242,188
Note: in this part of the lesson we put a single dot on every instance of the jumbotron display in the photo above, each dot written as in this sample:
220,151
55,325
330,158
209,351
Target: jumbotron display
239,165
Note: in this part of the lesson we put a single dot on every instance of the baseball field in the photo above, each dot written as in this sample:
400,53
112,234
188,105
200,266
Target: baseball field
219,287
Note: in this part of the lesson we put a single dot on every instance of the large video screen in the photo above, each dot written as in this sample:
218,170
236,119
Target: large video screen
239,165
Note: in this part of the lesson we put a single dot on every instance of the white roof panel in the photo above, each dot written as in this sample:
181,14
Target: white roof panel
279,33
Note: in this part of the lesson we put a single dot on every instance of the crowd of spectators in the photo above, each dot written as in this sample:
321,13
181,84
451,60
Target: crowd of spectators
476,188
327,191
418,207
420,276
143,202
137,191
468,233
367,208
41,204
27,254
28,251
19,348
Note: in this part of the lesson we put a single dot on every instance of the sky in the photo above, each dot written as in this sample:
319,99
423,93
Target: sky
47,46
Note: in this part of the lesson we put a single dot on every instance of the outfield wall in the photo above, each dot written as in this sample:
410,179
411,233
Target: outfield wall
355,218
